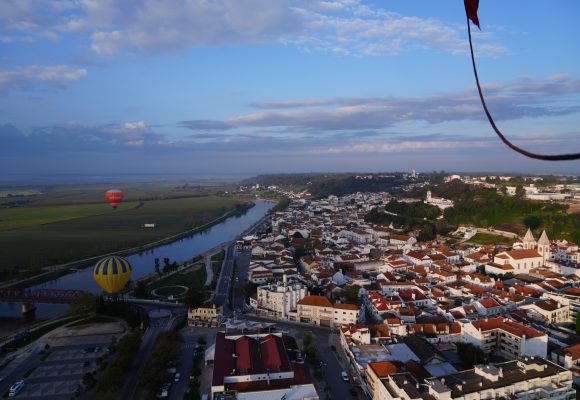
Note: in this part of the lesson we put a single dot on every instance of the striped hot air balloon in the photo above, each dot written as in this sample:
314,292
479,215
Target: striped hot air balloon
114,197
112,273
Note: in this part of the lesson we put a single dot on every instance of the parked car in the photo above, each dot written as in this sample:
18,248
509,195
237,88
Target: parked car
344,376
16,388
161,393
177,377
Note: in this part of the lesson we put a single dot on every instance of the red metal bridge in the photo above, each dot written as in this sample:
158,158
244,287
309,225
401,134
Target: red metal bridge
27,296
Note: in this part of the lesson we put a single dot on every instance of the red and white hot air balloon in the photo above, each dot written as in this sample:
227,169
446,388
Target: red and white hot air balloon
114,197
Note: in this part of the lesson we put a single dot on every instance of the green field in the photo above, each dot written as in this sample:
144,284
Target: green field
489,239
194,279
22,217
57,234
19,192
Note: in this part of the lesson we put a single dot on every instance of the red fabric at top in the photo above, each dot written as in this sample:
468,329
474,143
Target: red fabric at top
471,10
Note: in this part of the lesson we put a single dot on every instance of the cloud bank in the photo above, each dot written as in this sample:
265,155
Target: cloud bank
527,97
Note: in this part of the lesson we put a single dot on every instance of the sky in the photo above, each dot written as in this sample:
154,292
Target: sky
267,86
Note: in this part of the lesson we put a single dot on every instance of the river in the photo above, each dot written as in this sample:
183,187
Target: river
143,263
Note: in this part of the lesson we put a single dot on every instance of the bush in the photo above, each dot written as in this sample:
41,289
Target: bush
307,339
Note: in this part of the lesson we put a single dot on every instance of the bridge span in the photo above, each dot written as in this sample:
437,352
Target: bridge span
28,298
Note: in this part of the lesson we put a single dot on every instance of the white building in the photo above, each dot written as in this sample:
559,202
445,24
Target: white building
505,337
522,261
438,201
550,311
280,298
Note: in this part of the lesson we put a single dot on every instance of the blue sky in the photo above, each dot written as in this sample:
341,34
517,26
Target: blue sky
258,86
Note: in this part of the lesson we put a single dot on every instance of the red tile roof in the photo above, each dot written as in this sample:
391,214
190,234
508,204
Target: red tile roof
506,325
383,368
318,301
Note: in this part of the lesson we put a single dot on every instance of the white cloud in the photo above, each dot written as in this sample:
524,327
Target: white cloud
33,75
137,125
346,27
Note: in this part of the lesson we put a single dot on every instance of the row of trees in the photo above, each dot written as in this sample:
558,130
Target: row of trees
194,384
114,377
168,266
154,374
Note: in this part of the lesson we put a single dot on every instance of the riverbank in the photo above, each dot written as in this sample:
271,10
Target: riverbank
57,271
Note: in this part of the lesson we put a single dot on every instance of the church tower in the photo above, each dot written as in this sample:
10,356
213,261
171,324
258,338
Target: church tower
428,200
529,241
544,247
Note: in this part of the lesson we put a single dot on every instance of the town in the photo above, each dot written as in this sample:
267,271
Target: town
399,318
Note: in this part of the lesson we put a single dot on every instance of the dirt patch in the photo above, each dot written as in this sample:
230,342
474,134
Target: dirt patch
572,207
512,227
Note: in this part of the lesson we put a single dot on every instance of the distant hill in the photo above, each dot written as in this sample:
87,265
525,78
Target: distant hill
323,185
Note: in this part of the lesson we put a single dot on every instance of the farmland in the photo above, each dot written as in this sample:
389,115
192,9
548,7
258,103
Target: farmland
55,229
23,217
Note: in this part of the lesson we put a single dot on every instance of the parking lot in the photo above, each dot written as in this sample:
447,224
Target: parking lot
58,375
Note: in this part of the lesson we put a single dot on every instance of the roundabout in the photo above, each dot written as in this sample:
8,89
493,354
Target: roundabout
166,291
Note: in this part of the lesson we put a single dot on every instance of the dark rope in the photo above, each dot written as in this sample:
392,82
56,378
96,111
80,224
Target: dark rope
555,157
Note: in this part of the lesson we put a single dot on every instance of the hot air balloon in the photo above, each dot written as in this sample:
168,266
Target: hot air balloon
114,197
112,273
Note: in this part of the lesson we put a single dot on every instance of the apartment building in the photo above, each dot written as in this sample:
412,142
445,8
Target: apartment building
506,338
279,298
317,310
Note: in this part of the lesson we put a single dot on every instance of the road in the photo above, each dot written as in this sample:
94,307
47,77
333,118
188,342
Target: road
223,284
28,360
190,336
157,324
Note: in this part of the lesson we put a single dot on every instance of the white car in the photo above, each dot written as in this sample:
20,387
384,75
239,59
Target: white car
16,388
344,376
177,377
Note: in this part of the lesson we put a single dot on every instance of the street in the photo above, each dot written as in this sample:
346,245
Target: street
223,285
159,322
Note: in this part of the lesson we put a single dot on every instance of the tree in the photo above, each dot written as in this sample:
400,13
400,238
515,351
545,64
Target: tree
470,354
84,304
141,290
520,192
194,298
310,352
532,221
351,293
